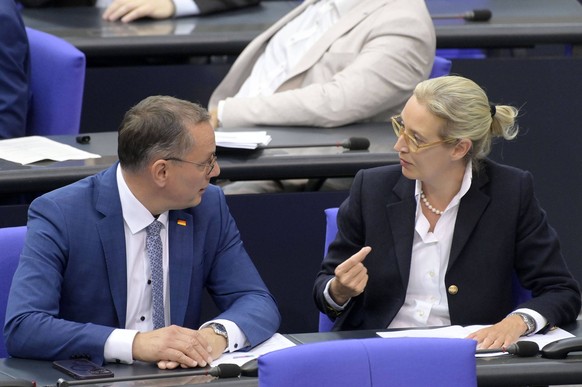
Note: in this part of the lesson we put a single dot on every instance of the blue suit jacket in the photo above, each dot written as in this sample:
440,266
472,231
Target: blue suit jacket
70,289
14,67
500,229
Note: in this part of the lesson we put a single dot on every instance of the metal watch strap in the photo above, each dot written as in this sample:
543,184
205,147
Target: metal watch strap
219,329
528,320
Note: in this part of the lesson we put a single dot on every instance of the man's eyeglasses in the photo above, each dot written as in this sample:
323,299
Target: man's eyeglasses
412,142
208,165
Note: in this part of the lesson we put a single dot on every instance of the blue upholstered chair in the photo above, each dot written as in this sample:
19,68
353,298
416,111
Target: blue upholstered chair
461,53
57,80
440,67
325,324
378,362
11,243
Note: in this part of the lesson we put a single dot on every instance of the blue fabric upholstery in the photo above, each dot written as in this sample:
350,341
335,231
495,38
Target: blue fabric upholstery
57,80
440,67
325,324
461,53
407,361
11,242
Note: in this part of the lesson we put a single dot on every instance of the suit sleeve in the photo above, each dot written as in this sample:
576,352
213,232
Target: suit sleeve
349,240
14,67
540,264
213,6
35,327
370,70
233,281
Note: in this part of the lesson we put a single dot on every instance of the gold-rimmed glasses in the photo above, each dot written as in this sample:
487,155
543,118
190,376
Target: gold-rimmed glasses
208,165
412,142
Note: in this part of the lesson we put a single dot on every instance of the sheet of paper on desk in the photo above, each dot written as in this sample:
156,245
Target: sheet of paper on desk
277,341
31,149
242,140
457,331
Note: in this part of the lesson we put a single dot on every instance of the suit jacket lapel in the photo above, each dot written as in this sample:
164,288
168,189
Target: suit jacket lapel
181,247
471,208
346,23
401,218
112,235
257,46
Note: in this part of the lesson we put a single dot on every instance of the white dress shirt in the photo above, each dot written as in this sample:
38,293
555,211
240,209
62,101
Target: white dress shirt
426,302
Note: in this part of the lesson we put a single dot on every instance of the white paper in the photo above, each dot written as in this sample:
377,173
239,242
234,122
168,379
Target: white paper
242,140
31,149
276,342
460,332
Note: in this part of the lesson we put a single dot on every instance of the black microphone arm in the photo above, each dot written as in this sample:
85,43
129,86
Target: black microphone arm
220,371
476,15
520,348
352,143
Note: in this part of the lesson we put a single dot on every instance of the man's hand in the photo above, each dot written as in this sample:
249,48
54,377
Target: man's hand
175,346
130,10
500,335
351,277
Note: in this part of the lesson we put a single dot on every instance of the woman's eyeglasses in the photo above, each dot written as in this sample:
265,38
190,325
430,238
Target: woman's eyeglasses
414,145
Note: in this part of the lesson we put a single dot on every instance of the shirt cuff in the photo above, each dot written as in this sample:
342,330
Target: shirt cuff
236,338
185,8
541,321
119,345
330,301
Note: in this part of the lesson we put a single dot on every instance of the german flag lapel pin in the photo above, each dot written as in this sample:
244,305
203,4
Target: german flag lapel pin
181,222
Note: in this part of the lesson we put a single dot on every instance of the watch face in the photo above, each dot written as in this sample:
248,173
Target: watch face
219,330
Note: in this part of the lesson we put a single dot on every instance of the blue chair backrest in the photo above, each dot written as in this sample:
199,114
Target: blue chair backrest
57,80
325,324
406,361
11,244
440,67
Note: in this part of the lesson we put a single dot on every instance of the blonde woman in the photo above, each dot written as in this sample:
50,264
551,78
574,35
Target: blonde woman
437,239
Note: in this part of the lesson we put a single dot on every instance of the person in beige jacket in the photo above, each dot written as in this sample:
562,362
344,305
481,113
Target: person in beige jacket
329,63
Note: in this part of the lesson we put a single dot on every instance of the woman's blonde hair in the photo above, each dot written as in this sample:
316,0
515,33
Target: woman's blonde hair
468,113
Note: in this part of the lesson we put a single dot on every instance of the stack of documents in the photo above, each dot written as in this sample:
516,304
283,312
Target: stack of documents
31,149
242,140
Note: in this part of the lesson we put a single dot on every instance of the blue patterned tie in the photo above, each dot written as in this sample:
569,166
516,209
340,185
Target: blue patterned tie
154,251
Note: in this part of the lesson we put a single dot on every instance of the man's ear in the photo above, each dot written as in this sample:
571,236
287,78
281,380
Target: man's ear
159,172
462,148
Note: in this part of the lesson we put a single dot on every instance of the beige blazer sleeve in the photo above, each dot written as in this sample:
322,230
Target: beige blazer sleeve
364,68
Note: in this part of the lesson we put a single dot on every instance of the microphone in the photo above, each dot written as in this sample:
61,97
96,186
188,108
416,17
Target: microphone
476,15
352,143
520,348
221,371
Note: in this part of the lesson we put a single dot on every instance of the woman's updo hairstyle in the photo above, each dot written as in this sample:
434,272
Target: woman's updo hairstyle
468,113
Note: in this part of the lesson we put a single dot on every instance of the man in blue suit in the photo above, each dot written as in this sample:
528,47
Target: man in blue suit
84,284
14,67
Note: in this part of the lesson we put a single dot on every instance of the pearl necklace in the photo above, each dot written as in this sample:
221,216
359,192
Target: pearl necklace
428,205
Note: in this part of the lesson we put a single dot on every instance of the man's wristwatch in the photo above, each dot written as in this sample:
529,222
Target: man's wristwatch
219,329
528,320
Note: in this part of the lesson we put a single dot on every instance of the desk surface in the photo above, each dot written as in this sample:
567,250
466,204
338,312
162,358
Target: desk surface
515,23
265,164
492,371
